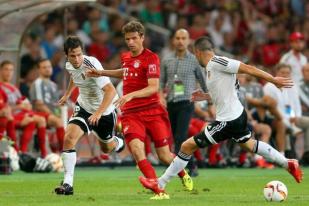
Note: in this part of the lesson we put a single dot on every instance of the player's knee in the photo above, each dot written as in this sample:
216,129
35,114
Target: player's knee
41,122
187,147
106,148
137,152
165,158
69,141
56,121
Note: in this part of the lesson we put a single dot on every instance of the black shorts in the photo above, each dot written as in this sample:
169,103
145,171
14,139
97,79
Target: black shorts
105,128
216,132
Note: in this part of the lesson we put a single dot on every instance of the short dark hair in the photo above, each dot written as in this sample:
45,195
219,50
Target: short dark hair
204,44
5,62
134,26
72,42
40,61
281,65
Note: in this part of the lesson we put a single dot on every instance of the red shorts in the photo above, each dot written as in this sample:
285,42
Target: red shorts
153,122
195,127
42,114
18,117
3,122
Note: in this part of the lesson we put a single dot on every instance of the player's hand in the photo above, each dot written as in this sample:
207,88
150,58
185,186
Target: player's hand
283,82
199,95
63,100
121,101
94,118
93,72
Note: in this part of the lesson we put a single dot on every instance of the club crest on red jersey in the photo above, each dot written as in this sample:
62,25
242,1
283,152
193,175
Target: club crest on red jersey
136,64
152,69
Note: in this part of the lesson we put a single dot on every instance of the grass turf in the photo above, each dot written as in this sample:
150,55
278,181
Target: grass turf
120,186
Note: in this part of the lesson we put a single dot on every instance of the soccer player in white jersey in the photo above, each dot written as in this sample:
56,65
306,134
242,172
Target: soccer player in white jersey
231,118
94,110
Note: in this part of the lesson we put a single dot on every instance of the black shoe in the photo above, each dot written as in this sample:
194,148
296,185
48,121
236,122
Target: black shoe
64,189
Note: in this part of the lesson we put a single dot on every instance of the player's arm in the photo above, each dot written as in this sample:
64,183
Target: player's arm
153,87
163,82
93,72
67,93
109,94
278,81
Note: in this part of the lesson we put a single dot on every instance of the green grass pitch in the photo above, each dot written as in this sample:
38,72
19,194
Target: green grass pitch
120,186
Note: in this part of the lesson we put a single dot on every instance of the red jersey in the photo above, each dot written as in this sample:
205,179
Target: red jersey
3,98
137,71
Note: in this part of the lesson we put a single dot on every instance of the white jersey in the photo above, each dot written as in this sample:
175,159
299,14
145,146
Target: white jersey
221,84
296,65
90,89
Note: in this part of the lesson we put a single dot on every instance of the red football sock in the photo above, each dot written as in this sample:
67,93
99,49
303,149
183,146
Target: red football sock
42,141
212,154
242,157
10,129
198,155
60,137
147,169
26,136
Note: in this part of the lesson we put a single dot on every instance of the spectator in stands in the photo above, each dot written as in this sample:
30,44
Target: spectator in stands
44,95
73,29
98,47
198,27
151,13
95,19
295,57
47,44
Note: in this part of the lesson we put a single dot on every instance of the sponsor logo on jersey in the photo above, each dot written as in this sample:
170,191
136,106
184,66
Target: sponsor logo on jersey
136,64
152,69
125,129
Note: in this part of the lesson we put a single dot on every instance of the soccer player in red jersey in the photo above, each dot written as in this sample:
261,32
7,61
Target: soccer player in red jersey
140,104
23,116
5,113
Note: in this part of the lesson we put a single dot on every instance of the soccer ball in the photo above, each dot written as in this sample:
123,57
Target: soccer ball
275,191
55,161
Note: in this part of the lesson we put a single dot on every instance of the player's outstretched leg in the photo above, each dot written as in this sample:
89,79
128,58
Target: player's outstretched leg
272,155
166,157
177,165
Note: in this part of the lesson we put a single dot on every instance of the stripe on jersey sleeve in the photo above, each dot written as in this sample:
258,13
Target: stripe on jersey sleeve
88,63
220,61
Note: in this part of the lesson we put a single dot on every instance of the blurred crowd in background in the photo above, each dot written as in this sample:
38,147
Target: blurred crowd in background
258,32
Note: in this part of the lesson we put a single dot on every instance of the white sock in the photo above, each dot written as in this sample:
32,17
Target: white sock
69,161
119,142
270,154
175,167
